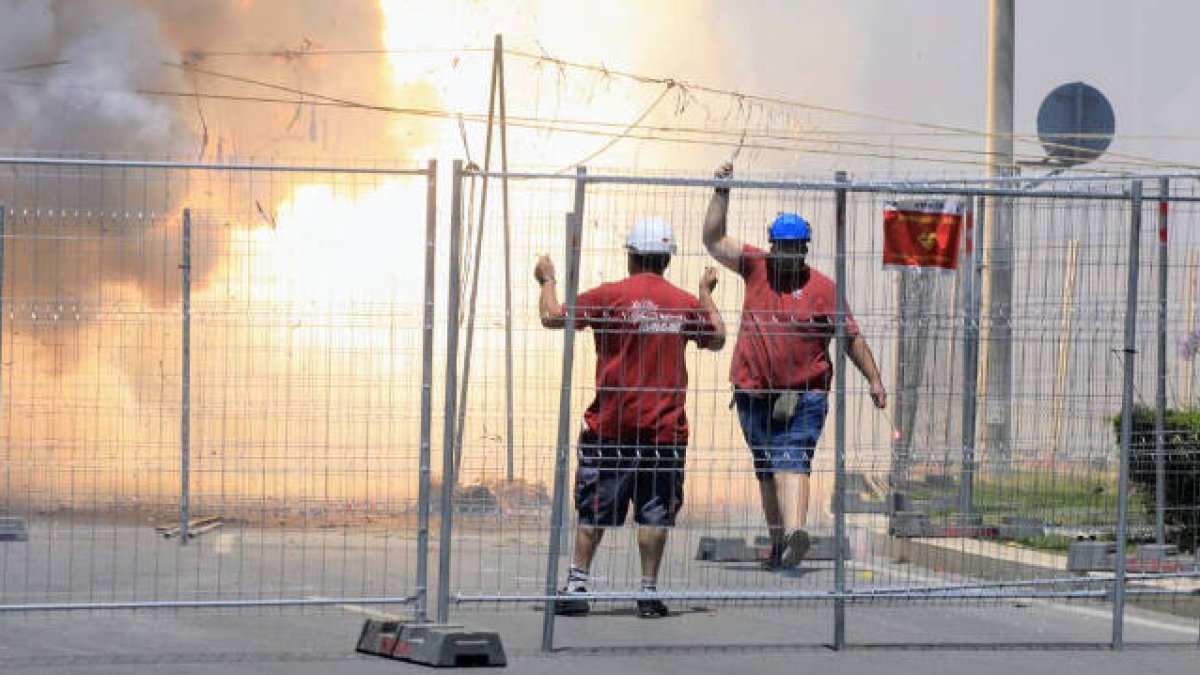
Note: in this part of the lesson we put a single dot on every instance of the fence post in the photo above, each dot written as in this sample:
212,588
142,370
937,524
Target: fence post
839,418
1160,399
423,501
971,302
1131,297
185,407
451,385
563,447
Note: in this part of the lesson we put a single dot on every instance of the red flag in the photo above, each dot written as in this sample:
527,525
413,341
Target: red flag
922,234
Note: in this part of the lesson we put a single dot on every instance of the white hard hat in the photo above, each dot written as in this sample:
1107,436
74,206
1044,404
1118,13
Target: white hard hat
651,235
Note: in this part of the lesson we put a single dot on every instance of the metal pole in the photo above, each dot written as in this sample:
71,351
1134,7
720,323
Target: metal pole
423,481
998,383
563,448
839,419
185,408
972,282
460,422
508,314
451,386
898,472
1160,407
1131,297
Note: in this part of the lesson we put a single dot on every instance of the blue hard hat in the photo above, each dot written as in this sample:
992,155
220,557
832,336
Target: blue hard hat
789,226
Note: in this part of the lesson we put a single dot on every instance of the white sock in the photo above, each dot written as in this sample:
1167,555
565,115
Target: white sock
577,578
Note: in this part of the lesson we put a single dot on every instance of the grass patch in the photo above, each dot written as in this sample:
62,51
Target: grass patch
1063,498
1046,542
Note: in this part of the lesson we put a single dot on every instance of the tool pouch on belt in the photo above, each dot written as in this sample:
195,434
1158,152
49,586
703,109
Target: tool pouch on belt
784,408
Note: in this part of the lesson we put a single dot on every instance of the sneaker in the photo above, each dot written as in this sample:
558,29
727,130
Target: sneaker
568,606
795,547
652,609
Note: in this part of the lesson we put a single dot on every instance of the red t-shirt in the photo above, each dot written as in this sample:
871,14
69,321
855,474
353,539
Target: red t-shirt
783,338
641,327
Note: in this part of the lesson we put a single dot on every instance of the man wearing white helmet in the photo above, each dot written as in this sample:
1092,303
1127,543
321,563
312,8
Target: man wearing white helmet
635,432
781,370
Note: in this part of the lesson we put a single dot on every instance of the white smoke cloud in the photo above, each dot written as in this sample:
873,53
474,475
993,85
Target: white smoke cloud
109,76
77,75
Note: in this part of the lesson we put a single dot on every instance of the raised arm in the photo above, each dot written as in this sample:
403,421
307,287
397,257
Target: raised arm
860,353
549,309
708,282
726,249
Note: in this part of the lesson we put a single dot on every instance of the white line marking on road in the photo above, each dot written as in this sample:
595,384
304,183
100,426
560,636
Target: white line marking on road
1129,618
1090,612
363,611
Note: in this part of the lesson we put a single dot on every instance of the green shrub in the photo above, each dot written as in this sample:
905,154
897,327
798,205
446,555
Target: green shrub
1181,454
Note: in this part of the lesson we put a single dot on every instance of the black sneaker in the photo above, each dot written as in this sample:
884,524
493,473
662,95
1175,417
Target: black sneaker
652,609
795,547
567,606
775,560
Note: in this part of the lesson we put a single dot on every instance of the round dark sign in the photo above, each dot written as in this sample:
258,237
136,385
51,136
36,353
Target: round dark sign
1075,124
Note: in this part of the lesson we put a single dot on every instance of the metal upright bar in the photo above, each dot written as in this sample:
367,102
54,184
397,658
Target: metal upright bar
1131,297
510,415
563,447
476,267
1160,399
185,406
839,419
423,484
451,385
971,307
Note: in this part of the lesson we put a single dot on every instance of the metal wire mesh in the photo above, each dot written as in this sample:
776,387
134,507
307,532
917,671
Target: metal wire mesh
1051,483
258,388
291,476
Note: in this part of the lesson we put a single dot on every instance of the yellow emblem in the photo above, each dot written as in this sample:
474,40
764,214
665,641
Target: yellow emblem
927,239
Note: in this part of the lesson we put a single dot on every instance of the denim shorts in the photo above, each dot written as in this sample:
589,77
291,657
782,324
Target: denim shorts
781,446
612,475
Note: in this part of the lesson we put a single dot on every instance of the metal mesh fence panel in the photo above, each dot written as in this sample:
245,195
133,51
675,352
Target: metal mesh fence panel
222,386
913,533
212,383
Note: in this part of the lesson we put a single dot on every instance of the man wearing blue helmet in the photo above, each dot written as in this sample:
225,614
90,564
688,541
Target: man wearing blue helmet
781,370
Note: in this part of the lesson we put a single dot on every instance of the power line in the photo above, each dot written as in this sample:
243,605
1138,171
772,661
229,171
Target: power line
562,64
624,134
741,96
601,69
756,140
557,126
300,53
536,124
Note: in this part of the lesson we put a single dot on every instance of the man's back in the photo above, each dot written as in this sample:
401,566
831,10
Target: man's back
641,326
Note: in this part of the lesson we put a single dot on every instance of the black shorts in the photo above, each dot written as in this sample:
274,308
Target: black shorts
611,474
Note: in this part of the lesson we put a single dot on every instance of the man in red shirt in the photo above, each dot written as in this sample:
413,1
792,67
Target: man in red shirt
635,433
781,370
